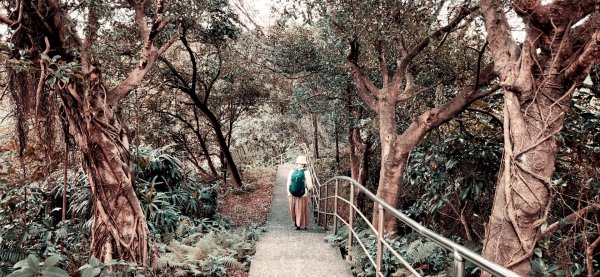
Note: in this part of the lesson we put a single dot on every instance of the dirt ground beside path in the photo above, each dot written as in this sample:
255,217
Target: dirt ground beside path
249,205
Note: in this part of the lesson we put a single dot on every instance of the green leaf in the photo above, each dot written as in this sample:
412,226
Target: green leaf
33,263
538,252
95,262
55,272
22,52
543,228
464,193
591,115
55,58
90,272
51,261
21,264
45,57
21,273
52,81
450,164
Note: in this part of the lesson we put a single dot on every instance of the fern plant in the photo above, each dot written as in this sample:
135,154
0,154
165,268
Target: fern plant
208,254
425,256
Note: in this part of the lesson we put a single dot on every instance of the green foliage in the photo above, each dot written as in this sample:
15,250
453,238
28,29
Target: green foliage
208,254
114,268
452,175
425,256
32,267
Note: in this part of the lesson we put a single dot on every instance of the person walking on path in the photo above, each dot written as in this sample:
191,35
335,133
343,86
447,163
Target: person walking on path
299,184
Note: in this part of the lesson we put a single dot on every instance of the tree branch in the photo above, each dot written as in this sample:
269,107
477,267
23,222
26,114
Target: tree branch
5,20
505,50
149,52
492,115
186,44
216,77
363,90
383,70
554,13
577,215
174,71
413,52
589,56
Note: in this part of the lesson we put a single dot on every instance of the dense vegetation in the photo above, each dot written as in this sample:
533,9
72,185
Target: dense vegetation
132,129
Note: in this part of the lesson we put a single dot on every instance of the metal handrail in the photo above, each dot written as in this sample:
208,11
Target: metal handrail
461,254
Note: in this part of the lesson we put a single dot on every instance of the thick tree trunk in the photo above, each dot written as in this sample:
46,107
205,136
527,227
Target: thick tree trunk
522,198
119,230
393,161
539,77
396,149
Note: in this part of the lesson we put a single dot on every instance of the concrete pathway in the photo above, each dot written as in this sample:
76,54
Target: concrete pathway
285,251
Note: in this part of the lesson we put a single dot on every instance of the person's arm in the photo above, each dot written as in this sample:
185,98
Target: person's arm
289,181
309,182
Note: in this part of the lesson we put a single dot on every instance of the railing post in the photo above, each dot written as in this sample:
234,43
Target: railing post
379,240
326,226
459,265
335,208
350,221
318,207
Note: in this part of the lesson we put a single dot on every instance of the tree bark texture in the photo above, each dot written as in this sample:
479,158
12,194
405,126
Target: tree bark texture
539,78
119,230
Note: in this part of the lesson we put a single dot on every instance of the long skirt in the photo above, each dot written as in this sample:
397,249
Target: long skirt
299,210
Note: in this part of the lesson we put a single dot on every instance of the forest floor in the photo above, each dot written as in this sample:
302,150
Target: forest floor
248,206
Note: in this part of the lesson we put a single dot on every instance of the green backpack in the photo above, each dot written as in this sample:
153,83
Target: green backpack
297,185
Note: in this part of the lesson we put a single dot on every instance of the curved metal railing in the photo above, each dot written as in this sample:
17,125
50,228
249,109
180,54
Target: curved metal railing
320,208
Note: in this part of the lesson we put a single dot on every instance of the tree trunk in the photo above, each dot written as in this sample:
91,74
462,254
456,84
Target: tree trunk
393,161
315,137
119,230
214,122
352,153
522,195
207,156
337,146
539,78
203,145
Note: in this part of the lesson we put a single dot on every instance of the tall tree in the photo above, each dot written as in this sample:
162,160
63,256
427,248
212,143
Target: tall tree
64,67
199,82
539,77
395,84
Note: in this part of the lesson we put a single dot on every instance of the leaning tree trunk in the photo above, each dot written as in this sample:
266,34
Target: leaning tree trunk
119,230
214,122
